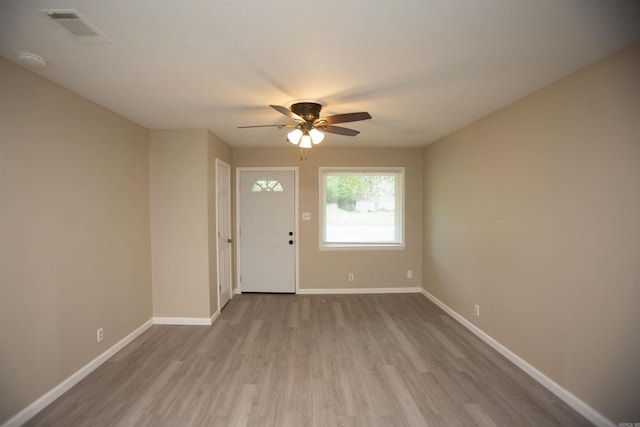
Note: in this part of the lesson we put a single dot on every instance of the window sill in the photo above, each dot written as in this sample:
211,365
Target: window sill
361,246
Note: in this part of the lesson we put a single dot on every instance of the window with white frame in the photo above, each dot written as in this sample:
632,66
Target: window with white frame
361,208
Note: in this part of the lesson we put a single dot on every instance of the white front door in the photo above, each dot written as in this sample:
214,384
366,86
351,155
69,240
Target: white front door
223,219
267,230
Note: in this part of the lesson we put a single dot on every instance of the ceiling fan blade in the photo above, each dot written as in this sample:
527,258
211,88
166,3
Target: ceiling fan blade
348,117
340,130
265,126
287,112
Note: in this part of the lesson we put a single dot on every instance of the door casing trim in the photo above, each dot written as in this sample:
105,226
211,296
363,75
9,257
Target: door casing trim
217,163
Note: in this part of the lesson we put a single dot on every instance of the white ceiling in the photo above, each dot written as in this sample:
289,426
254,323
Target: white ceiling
423,69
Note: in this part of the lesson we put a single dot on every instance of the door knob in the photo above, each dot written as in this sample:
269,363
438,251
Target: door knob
291,242
291,233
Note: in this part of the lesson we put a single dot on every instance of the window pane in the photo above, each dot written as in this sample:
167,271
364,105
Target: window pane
361,207
266,184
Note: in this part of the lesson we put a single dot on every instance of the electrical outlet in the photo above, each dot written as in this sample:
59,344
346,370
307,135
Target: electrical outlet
409,274
100,334
476,310
351,277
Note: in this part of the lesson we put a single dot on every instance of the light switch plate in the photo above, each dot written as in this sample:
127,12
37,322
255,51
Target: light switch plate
306,216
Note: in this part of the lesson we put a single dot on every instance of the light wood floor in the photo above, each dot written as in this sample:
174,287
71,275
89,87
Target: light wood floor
302,360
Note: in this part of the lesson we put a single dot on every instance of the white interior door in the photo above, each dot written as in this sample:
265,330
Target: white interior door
267,231
223,219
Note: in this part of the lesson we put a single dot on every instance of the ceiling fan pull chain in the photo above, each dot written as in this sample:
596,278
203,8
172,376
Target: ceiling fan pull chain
303,154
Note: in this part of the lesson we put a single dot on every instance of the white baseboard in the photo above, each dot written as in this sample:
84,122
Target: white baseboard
30,411
411,290
214,317
587,411
204,321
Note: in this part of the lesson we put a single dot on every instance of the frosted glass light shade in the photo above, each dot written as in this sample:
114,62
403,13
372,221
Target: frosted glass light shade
294,136
316,136
305,142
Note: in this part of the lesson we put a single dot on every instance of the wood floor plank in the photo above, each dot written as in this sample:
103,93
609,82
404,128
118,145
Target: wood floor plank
405,400
402,343
479,416
311,360
242,408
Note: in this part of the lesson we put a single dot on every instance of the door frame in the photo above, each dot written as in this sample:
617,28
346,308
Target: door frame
228,166
296,201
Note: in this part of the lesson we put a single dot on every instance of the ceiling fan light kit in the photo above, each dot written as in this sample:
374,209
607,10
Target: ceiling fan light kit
300,137
309,127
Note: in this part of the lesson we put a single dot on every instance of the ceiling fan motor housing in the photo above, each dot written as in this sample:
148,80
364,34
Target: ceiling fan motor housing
309,111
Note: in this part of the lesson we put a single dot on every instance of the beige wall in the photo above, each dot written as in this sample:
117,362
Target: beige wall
183,245
534,213
179,223
329,269
74,233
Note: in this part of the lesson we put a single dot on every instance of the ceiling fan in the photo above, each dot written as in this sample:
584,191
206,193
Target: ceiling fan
309,126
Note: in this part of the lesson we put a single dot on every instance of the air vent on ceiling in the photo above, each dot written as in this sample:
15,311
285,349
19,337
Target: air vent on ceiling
76,25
